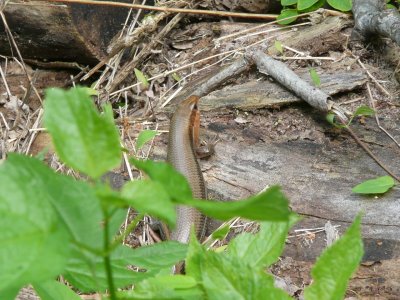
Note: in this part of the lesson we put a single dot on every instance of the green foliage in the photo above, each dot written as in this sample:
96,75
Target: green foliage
220,233
305,4
166,287
315,77
292,8
264,248
142,79
362,111
231,278
176,77
147,197
31,232
55,225
342,5
52,289
335,266
84,139
287,16
278,46
378,185
144,137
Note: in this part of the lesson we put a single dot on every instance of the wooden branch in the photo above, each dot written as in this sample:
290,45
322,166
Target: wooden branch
372,18
173,9
285,76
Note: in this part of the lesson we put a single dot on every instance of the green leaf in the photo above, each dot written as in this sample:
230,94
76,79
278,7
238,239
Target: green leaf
335,266
314,7
270,205
288,2
304,4
157,256
229,278
92,277
342,5
378,185
364,111
142,78
165,287
53,289
31,232
148,197
176,77
264,248
144,137
90,91
42,154
287,16
330,117
87,273
221,233
175,183
9,294
278,46
84,139
315,77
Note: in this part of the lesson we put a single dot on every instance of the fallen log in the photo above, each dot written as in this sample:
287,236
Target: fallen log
60,32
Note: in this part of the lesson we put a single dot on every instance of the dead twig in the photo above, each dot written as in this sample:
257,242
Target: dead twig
128,69
366,149
371,76
372,102
289,79
173,10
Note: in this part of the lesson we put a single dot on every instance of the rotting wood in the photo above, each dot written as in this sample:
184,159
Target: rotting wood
68,33
319,34
317,39
266,94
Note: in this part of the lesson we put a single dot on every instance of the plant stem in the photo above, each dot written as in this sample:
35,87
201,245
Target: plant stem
366,149
107,261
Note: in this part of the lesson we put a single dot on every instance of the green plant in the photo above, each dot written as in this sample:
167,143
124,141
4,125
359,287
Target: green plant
361,111
52,224
315,77
378,185
292,8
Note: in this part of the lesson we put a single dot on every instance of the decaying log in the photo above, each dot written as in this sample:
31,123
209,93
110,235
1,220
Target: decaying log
317,39
266,94
58,32
324,36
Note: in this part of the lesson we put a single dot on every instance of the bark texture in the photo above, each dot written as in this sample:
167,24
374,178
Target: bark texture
371,18
57,32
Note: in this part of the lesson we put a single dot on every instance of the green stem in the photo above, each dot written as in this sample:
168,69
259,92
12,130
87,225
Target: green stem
107,261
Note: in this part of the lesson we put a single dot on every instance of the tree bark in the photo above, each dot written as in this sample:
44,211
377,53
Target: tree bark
371,18
57,32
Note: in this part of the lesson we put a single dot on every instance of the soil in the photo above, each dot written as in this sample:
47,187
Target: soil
289,144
